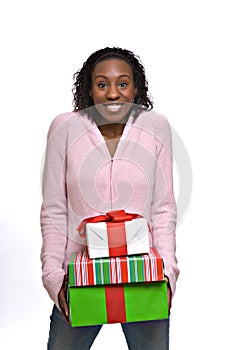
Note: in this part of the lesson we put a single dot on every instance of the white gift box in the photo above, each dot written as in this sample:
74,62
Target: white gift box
108,239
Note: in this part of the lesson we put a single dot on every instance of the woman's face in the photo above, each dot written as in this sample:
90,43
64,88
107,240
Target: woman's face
113,89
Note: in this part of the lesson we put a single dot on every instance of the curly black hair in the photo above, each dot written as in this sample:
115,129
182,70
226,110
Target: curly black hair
82,78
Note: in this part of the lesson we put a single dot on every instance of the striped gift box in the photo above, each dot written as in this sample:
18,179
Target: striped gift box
84,271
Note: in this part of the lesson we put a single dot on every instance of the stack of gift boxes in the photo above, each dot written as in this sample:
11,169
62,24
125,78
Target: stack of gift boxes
118,278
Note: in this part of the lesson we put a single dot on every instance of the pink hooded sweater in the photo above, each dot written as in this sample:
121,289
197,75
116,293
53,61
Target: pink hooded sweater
81,179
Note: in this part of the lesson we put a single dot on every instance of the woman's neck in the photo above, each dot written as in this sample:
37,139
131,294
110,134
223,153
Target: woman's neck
112,131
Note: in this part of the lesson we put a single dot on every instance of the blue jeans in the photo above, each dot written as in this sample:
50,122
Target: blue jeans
147,335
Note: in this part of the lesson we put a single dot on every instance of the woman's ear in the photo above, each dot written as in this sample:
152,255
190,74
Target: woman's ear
135,92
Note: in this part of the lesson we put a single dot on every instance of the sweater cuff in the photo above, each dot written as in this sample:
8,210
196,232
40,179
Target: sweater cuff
53,286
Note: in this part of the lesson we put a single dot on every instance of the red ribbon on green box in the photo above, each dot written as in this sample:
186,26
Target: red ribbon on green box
84,271
118,303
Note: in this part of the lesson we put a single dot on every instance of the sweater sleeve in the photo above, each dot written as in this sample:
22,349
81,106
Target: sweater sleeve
163,212
54,210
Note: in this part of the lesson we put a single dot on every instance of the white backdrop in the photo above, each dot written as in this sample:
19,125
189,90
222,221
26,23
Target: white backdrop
186,47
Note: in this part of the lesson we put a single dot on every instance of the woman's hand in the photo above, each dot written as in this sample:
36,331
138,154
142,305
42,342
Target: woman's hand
62,299
169,294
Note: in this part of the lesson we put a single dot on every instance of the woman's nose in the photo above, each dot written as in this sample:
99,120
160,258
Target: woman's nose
113,92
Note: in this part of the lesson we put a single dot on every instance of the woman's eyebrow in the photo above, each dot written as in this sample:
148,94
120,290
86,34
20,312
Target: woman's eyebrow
104,76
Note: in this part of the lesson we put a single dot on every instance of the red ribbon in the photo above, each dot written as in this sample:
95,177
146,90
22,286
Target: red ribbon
115,228
115,303
112,216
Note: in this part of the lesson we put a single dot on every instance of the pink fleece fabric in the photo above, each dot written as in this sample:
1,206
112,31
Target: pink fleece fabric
81,179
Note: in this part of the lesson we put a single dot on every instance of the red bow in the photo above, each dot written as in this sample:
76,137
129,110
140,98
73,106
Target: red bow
112,216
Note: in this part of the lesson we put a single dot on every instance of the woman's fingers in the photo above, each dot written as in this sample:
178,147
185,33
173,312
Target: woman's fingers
63,304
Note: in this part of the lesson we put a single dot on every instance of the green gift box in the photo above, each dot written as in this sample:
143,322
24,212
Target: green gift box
117,303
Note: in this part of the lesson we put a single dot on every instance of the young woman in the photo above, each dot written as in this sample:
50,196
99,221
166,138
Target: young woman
112,152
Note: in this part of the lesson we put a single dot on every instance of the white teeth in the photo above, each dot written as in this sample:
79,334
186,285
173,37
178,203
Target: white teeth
113,107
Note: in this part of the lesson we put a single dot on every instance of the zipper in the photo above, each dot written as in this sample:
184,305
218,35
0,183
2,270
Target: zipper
110,185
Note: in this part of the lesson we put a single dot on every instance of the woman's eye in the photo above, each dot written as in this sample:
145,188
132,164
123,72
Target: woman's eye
123,84
102,85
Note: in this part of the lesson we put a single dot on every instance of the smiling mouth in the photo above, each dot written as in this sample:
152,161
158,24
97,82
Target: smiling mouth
113,107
